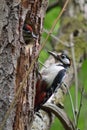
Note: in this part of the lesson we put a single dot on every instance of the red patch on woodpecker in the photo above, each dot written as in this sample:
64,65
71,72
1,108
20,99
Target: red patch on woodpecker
41,86
40,99
29,27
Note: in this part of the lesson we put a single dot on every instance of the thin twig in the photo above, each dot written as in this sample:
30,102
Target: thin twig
76,74
31,67
73,110
80,106
42,64
57,39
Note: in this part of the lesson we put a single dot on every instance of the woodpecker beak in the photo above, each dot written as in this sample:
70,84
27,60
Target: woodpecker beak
34,36
61,57
56,56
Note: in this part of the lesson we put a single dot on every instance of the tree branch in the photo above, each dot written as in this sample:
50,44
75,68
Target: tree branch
60,114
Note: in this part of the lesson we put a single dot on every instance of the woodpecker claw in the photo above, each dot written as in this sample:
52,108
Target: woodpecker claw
60,105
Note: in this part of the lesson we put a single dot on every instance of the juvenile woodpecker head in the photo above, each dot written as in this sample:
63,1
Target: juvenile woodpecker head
63,58
28,33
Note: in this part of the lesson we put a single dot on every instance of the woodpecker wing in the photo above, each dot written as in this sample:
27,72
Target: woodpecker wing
57,82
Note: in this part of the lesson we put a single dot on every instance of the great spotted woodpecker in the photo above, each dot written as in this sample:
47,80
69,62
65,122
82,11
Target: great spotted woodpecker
28,33
52,77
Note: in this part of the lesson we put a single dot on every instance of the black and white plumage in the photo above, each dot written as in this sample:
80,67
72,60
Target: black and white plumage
52,77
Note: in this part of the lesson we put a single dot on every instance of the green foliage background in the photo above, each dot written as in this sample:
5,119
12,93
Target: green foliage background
48,22
82,75
82,124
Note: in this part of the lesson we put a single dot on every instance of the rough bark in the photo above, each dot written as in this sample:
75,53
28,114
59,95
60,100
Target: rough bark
15,59
9,52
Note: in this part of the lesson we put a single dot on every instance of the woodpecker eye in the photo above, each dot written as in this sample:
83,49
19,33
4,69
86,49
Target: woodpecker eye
63,56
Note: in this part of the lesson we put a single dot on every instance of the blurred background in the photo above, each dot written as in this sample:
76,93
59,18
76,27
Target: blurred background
73,21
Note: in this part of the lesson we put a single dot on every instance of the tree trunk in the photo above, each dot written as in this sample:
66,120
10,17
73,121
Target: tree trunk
15,60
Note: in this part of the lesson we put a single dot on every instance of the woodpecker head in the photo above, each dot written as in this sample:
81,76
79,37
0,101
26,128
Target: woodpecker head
63,58
29,31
